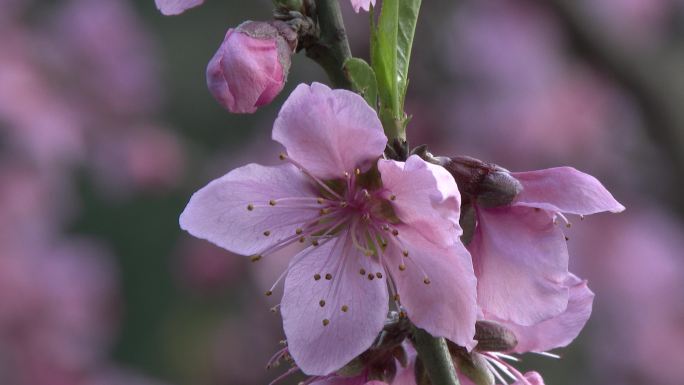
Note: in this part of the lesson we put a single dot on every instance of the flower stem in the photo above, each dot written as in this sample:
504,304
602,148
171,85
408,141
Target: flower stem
331,50
435,356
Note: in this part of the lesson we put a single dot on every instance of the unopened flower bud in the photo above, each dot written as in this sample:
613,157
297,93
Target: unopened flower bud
251,65
486,183
494,337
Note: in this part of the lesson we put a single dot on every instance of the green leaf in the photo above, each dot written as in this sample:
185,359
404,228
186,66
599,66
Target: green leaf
363,80
384,55
407,19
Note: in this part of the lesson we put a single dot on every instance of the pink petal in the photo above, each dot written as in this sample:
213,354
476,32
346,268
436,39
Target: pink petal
176,7
362,4
320,349
425,197
564,189
532,378
445,307
560,330
521,261
219,211
246,72
329,132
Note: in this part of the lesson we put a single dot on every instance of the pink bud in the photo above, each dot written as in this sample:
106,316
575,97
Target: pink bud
250,67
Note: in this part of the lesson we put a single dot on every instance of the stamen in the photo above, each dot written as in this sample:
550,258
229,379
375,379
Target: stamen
344,308
362,272
255,258
250,207
272,202
328,276
317,277
267,233
315,179
402,267
379,275
321,303
326,322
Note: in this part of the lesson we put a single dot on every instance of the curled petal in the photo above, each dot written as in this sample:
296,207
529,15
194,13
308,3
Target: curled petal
436,285
330,320
362,4
248,70
176,7
329,132
424,196
531,378
521,261
233,211
560,330
564,189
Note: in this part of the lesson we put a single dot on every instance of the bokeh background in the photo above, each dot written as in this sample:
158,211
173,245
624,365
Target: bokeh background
106,128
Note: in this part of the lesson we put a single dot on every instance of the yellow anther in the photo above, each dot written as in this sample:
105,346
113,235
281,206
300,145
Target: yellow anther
326,322
320,201
321,303
282,156
328,276
317,277
371,276
379,275
426,281
362,272
299,231
357,171
272,202
269,293
255,258
402,267
302,239
250,207
324,211
405,252
267,233
345,308
314,242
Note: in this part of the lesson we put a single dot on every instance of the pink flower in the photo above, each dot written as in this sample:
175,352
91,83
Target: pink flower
362,4
497,338
250,68
176,7
369,223
519,253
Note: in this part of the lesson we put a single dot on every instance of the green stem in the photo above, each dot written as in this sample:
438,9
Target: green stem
435,356
331,50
